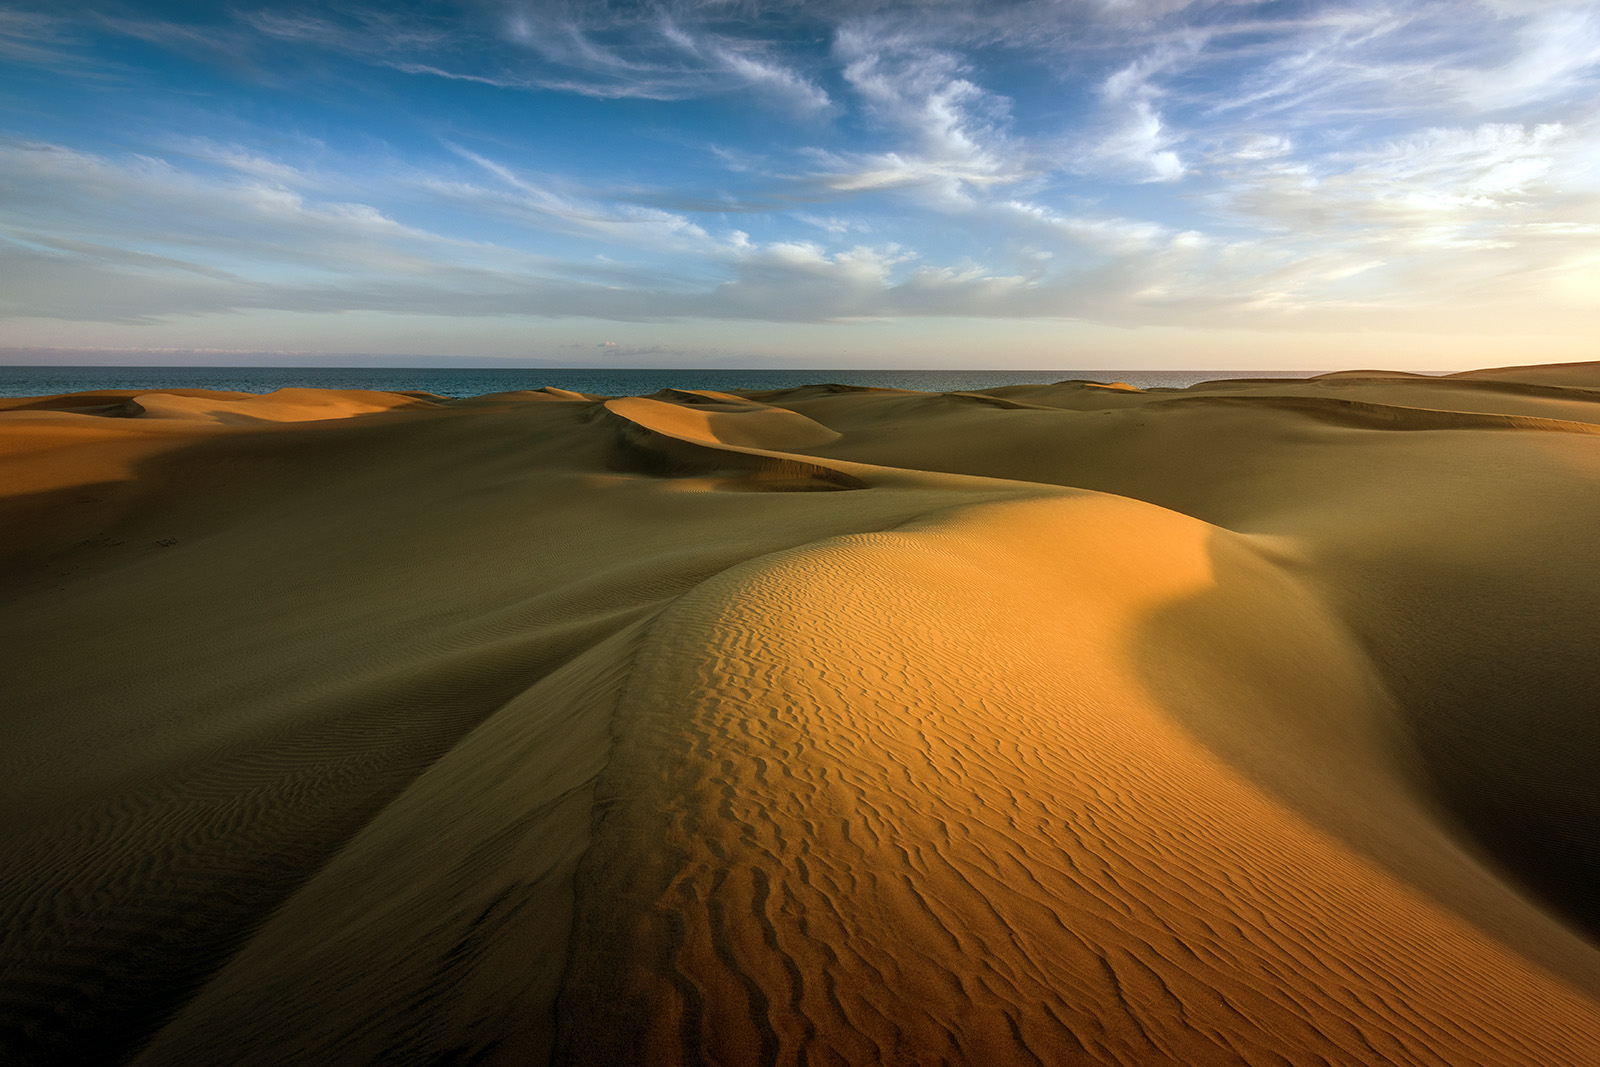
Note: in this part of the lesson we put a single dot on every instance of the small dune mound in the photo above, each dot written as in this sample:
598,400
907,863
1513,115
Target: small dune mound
744,439
519,396
284,405
1565,375
110,402
720,419
806,392
1221,726
1363,414
564,394
220,407
985,398
698,396
1085,383
1364,375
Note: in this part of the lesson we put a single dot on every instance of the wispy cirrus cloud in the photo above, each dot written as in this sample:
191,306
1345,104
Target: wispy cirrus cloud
539,206
1190,163
950,133
35,38
1556,55
603,51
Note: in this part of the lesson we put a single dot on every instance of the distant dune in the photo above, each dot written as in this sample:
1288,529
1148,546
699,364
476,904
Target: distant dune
1253,723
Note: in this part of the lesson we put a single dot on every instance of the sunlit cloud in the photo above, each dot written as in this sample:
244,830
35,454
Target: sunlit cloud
1201,165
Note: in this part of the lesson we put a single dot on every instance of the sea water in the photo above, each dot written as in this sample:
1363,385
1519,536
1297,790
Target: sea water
455,382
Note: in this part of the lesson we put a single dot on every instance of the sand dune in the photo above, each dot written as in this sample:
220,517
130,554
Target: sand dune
1251,723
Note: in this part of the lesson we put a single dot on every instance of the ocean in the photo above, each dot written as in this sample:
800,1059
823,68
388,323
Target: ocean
455,382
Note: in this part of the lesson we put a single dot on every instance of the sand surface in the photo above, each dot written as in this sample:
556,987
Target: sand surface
1253,723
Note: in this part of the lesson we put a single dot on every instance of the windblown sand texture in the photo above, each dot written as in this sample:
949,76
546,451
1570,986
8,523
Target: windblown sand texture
1254,723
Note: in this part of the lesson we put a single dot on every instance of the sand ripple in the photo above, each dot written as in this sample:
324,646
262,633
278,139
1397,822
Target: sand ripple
1052,724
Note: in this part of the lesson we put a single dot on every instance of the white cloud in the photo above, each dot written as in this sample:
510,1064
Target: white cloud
1142,144
801,281
1446,185
832,223
27,37
949,182
1359,61
138,236
1557,53
952,130
1138,142
773,77
748,62
1100,235
923,94
1354,155
545,208
1136,80
646,53
1259,147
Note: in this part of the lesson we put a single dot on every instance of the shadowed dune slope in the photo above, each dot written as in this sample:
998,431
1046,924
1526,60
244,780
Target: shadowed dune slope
1244,724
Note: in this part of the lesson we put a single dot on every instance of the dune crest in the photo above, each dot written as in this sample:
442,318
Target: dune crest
941,817
1059,723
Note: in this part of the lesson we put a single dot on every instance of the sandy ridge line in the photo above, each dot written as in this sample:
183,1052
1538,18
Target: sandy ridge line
1365,414
846,828
273,996
665,452
672,453
994,819
1577,393
995,401
155,862
436,930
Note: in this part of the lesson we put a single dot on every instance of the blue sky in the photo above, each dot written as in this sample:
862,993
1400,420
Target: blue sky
1068,184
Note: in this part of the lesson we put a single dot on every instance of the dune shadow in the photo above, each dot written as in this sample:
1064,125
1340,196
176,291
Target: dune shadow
1400,734
1506,725
136,867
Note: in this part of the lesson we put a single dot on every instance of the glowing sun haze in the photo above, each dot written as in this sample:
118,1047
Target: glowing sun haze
1074,184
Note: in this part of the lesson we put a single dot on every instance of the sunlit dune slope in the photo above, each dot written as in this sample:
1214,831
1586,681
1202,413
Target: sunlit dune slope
1251,723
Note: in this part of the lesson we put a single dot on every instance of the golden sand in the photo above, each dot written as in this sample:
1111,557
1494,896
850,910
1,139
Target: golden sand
1250,723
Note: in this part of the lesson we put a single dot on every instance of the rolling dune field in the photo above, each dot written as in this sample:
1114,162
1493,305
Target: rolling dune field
1251,723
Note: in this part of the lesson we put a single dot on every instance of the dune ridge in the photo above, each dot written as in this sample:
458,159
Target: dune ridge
993,882
1243,724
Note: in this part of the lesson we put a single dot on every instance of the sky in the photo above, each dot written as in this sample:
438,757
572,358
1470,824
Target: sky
1142,184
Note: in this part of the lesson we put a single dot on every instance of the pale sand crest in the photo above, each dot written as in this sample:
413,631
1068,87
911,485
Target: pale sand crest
1251,723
